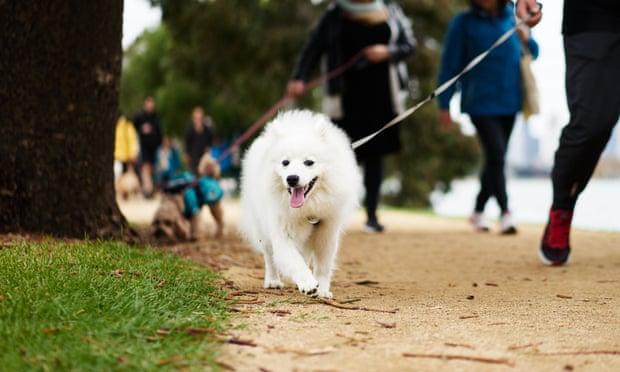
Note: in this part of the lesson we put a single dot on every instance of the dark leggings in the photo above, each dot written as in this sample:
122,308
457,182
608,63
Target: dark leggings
373,174
594,102
494,135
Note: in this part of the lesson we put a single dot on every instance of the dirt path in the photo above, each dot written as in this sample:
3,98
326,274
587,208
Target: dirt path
454,292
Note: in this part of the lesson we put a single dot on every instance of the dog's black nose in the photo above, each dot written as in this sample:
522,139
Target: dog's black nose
292,180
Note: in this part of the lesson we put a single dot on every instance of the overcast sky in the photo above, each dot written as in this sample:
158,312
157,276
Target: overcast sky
138,16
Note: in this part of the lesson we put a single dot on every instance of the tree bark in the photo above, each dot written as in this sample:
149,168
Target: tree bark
59,71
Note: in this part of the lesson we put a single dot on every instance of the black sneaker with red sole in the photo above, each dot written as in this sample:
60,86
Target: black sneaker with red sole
555,245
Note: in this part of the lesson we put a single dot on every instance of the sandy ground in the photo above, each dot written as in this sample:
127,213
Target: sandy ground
450,292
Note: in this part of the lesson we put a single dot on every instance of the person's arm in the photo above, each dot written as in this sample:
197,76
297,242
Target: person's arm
313,49
452,59
527,7
406,43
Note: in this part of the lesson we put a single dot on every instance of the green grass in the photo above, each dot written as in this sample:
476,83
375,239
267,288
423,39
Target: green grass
99,306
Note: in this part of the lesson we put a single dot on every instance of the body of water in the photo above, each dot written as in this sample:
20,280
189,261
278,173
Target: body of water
598,207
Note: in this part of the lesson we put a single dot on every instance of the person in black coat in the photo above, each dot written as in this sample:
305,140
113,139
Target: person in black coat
148,126
198,138
372,92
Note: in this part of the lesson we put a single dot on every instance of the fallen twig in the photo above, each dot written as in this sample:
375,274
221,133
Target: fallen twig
280,312
564,297
469,316
242,342
461,357
386,325
366,282
488,284
199,330
242,293
453,344
360,308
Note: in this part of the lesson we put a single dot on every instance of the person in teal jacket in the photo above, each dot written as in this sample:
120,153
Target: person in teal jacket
167,161
490,93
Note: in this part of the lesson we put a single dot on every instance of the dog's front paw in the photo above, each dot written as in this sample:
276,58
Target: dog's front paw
309,288
325,294
273,284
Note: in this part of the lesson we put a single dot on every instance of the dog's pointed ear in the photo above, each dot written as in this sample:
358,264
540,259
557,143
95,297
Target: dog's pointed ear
322,128
276,128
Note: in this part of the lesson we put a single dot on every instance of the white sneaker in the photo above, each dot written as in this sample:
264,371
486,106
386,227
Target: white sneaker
507,226
479,222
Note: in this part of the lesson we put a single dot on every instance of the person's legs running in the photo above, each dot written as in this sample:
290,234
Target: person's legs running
506,125
592,75
507,226
493,133
487,136
373,175
486,187
486,181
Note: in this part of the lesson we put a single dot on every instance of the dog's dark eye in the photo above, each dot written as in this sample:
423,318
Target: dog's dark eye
308,163
285,162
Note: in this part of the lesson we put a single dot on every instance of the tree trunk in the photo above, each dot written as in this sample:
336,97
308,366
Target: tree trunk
59,71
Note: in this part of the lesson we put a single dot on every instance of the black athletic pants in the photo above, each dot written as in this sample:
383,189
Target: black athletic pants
593,93
373,175
494,134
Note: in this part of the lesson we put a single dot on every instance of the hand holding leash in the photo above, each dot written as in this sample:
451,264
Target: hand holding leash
530,11
296,88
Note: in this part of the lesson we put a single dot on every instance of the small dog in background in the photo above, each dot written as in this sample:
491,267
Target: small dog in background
127,185
208,167
178,216
169,222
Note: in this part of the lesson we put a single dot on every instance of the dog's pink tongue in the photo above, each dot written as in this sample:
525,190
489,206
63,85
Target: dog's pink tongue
297,197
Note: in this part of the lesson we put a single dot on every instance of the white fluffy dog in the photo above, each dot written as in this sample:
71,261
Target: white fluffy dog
300,184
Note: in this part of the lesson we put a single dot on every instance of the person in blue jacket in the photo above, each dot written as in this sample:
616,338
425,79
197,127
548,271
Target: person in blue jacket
167,161
490,93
